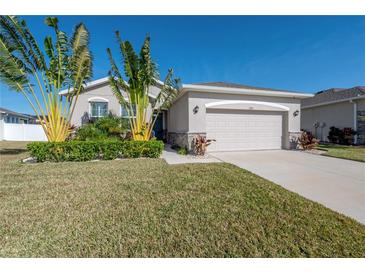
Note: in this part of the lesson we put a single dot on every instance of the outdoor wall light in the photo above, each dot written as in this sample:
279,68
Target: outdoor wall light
195,109
296,113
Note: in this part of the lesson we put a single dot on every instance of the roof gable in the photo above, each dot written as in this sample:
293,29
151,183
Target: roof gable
104,82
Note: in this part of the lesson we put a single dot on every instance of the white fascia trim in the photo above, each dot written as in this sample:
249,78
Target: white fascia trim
88,85
335,102
103,81
97,82
96,99
230,102
159,82
262,92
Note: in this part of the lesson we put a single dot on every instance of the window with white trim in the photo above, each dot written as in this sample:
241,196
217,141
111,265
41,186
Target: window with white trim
98,109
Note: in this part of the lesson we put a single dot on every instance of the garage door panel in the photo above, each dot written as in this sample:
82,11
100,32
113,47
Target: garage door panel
244,130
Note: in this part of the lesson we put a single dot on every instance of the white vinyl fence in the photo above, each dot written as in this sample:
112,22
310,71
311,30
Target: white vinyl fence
21,132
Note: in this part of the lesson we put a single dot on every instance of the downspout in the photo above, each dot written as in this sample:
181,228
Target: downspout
355,119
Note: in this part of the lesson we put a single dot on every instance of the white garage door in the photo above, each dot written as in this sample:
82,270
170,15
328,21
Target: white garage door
244,130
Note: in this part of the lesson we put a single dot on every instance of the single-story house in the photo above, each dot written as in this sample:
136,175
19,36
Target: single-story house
9,116
15,126
238,117
338,107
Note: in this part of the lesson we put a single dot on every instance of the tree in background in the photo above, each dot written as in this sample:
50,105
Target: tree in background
141,73
66,64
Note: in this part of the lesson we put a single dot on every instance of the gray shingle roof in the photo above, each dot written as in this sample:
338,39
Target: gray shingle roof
332,95
233,85
15,113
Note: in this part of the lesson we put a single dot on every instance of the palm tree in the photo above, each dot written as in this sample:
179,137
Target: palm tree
141,73
66,63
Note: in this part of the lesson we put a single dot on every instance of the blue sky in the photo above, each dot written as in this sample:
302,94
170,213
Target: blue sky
300,53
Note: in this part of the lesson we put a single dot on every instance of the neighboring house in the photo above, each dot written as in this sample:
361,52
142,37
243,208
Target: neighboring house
238,117
15,126
9,116
338,107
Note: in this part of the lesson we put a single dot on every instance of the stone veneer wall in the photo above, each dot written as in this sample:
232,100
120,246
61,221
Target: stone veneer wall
293,139
183,139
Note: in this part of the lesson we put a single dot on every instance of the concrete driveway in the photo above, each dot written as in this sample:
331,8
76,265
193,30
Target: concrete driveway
336,183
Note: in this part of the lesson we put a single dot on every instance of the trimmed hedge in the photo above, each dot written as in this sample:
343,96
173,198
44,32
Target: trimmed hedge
89,150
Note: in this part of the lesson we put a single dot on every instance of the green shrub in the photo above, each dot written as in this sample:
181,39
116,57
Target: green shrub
88,150
110,149
182,151
63,151
136,149
109,127
112,125
89,132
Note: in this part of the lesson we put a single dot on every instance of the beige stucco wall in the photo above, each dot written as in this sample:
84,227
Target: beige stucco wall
182,118
82,108
177,118
200,99
339,115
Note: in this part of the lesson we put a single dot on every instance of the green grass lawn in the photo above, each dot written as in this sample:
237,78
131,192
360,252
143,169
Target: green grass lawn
146,208
356,153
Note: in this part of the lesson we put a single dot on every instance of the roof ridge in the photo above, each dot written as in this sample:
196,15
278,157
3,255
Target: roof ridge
15,112
238,85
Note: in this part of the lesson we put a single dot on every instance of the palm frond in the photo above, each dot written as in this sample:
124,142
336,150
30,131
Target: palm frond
169,91
14,40
115,87
27,46
147,71
115,73
13,73
80,68
80,38
22,61
129,60
51,22
81,58
48,46
35,51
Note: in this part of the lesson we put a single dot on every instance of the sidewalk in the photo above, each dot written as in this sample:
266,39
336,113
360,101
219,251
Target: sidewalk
172,158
